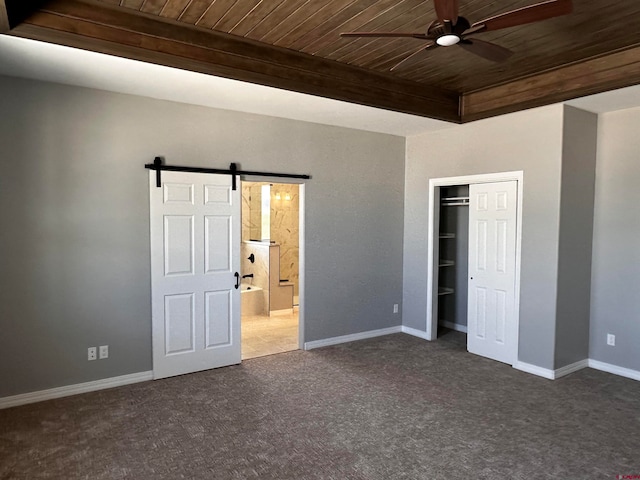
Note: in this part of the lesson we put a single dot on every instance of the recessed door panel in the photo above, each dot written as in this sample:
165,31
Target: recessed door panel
481,245
501,315
218,317
481,312
217,195
178,193
501,200
178,245
217,243
501,246
179,323
482,202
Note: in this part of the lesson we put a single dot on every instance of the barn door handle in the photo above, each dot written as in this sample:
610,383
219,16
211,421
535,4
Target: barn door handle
237,275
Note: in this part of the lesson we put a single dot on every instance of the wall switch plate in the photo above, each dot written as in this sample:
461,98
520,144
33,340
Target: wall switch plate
395,308
91,353
611,340
104,351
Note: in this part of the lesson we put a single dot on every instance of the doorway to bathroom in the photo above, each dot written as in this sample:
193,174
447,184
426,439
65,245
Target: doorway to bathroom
271,245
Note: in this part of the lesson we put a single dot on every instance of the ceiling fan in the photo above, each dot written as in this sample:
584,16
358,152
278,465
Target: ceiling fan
451,29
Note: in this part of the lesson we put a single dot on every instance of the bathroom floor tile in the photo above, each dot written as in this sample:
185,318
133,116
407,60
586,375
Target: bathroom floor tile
263,335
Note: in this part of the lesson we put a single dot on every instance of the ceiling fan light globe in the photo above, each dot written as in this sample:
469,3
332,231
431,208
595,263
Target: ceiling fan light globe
447,40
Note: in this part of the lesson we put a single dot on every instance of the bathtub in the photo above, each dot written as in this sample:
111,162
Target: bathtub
252,300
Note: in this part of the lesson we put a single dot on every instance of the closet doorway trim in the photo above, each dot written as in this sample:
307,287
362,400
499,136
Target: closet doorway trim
431,326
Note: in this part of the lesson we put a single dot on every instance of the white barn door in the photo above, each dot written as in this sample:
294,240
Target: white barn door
195,255
492,256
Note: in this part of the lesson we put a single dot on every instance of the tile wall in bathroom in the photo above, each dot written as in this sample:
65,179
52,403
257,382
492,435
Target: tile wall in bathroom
285,214
246,211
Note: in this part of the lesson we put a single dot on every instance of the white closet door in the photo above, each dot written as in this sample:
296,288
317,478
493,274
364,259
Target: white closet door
492,253
195,254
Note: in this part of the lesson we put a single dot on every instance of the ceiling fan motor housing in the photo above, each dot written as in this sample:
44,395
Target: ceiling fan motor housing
438,29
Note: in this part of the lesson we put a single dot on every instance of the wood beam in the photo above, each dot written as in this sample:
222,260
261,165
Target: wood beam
595,75
14,12
4,17
100,27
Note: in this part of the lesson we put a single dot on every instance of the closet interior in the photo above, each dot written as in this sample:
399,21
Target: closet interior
453,250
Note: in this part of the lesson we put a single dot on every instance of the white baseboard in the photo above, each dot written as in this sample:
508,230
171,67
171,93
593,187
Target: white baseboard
567,369
574,367
59,392
535,370
351,338
415,332
551,374
607,367
69,390
454,326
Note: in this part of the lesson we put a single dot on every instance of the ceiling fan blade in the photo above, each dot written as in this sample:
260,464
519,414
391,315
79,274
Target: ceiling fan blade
532,13
487,50
447,10
405,61
420,36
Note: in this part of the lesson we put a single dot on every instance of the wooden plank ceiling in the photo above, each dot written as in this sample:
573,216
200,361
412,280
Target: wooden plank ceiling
295,44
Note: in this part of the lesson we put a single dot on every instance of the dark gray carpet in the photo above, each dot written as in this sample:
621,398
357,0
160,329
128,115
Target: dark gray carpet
386,408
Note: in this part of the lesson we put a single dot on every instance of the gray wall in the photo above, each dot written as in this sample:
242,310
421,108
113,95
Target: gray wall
576,234
74,210
615,286
530,141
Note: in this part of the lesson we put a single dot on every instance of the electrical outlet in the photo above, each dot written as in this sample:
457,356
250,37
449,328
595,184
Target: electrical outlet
91,353
611,340
104,351
395,308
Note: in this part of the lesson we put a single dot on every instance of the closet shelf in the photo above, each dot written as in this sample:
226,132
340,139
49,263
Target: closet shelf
445,291
446,263
447,235
454,201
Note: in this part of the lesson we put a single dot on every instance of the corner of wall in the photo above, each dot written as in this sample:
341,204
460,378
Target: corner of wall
615,302
577,194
